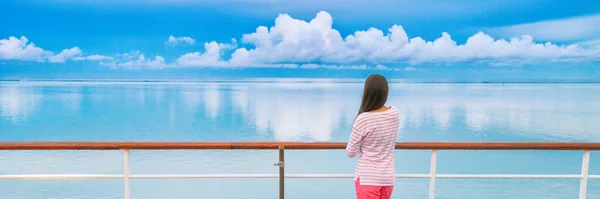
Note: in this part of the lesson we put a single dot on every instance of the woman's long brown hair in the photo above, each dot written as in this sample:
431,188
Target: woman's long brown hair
375,93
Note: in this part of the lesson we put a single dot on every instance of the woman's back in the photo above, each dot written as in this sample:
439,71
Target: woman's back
374,138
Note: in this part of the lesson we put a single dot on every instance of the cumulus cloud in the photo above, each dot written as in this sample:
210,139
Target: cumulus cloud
95,57
136,60
157,62
213,53
210,57
295,42
65,55
21,49
173,41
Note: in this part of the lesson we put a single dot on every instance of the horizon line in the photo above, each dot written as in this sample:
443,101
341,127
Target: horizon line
298,80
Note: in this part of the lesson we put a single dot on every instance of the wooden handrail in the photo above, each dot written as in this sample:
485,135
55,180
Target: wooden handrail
292,145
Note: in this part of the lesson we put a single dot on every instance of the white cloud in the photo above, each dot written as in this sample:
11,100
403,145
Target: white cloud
65,55
381,67
137,60
409,68
569,29
590,44
173,41
98,57
95,57
295,42
210,57
333,66
20,49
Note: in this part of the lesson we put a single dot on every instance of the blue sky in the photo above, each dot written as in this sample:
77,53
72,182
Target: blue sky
468,39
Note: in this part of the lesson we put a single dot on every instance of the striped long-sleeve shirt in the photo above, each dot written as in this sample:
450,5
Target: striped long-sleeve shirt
374,138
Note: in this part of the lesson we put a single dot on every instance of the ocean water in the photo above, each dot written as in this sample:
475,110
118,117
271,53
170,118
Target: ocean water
291,111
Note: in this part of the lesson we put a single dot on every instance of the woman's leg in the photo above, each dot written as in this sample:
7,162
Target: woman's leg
386,192
367,192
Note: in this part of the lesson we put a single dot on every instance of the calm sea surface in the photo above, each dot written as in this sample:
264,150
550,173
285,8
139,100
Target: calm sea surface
288,111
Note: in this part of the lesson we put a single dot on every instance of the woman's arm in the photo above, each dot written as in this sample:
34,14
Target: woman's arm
354,143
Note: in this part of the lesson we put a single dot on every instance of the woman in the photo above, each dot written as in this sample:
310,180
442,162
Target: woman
374,138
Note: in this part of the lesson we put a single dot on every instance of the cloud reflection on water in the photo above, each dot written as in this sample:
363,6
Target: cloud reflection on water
17,103
292,112
211,100
325,111
535,111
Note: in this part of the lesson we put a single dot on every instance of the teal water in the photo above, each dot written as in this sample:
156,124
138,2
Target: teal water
291,111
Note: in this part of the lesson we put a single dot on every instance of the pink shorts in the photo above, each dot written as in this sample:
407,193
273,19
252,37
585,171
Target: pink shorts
372,192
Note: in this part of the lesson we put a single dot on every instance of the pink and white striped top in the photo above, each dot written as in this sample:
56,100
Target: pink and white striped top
374,138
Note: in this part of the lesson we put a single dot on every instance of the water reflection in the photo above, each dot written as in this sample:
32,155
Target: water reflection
191,98
71,98
292,114
211,100
239,97
555,112
17,103
301,111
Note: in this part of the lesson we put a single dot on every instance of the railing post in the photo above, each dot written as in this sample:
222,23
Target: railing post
432,172
126,173
585,165
281,173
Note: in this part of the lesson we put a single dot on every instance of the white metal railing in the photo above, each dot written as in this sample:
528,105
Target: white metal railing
127,176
